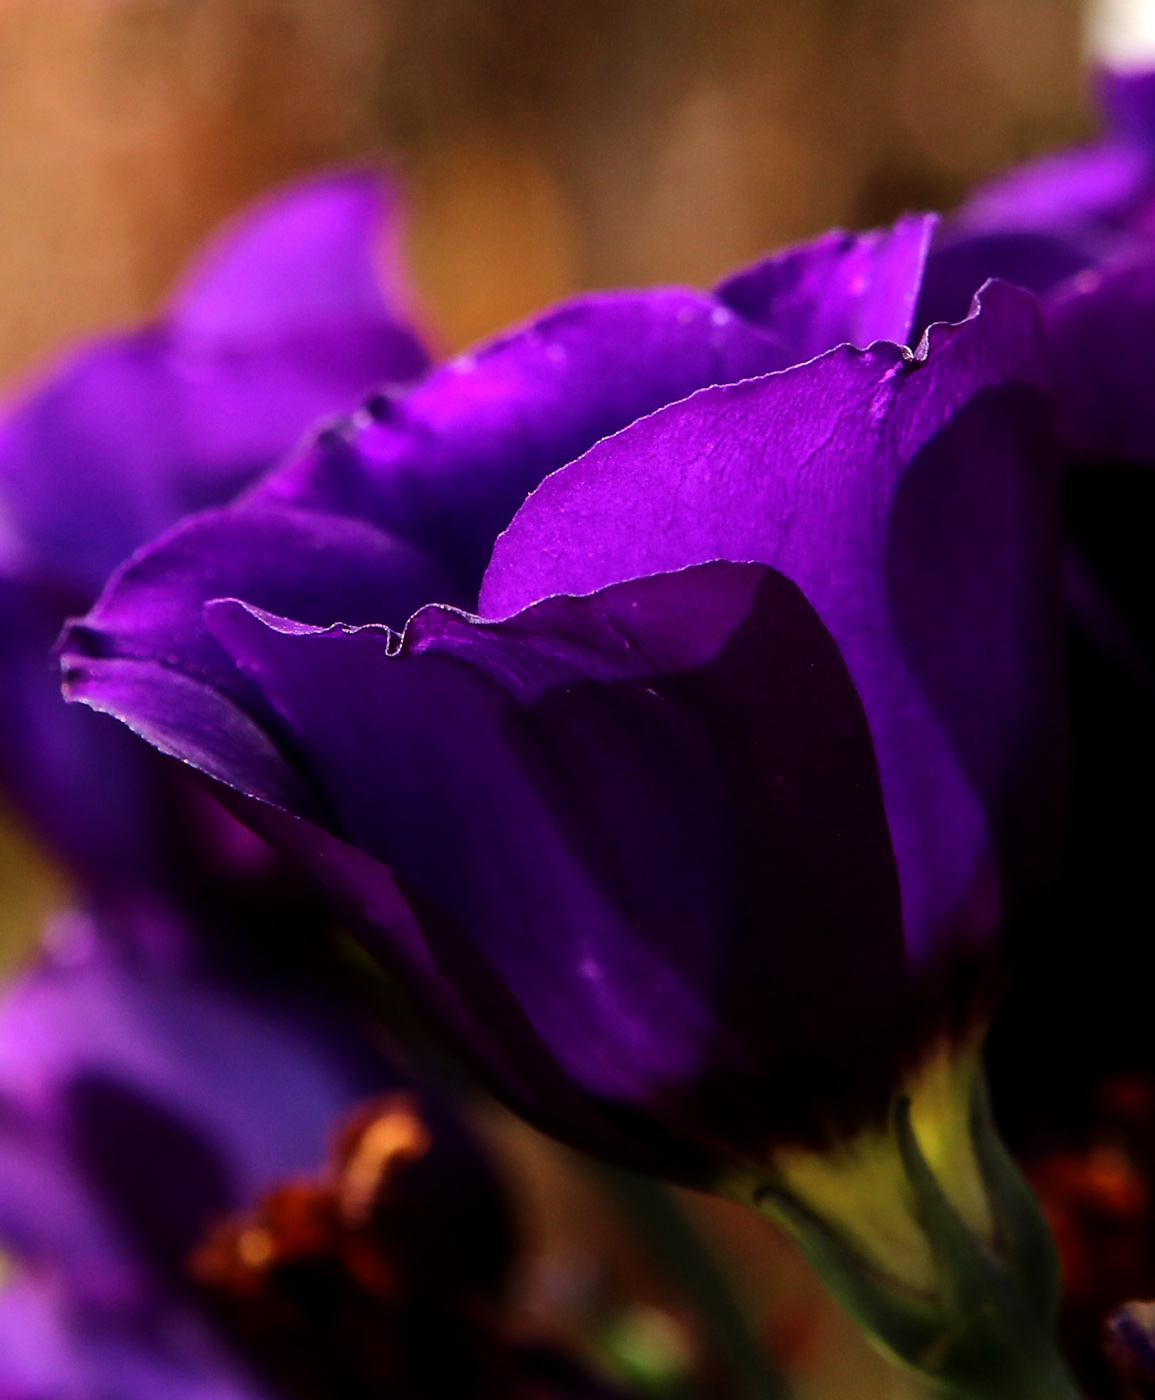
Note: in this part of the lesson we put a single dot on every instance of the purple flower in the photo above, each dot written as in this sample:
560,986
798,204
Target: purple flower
703,822
1092,193
142,1101
281,322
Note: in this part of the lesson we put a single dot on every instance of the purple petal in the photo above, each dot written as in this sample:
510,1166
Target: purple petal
447,465
1064,193
190,721
464,999
1128,100
138,1101
54,1348
308,255
142,1098
648,823
140,429
958,267
873,481
343,571
78,778
843,288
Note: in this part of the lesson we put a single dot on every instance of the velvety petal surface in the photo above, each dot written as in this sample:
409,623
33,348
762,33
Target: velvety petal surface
526,783
401,507
447,465
541,812
756,721
192,722
912,501
343,570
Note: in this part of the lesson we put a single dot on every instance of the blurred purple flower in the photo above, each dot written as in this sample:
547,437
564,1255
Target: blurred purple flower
157,1068
282,321
1045,221
750,748
142,1102
1078,228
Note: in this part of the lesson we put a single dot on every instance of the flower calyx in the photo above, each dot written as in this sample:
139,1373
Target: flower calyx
962,1291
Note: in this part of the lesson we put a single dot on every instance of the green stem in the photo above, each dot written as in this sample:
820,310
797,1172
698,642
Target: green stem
678,1248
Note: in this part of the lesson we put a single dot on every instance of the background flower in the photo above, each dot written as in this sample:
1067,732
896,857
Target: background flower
283,322
142,1101
160,1066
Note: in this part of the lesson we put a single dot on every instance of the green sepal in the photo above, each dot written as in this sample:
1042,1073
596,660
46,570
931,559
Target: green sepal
889,1314
986,1331
1023,1236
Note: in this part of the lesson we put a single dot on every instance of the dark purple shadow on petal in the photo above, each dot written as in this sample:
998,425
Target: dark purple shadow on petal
1080,1009
798,470
1109,523
755,771
192,722
315,567
628,806
468,1003
817,974
81,780
1129,101
973,578
957,269
161,1181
